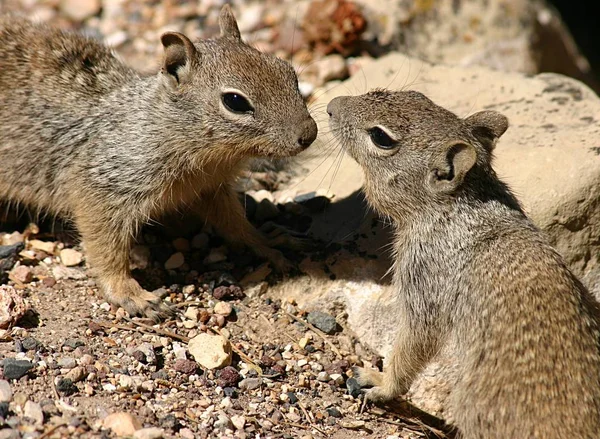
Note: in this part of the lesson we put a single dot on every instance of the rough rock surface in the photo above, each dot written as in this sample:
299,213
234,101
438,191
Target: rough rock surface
550,156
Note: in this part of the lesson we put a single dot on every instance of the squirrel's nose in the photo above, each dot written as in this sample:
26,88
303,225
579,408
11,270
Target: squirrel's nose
334,105
308,133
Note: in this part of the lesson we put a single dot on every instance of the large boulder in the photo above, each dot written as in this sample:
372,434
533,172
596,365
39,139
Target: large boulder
550,157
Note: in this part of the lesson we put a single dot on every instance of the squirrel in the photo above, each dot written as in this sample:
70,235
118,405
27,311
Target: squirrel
472,273
84,136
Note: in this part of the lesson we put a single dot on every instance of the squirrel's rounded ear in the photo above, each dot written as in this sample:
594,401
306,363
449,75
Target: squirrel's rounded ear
450,166
179,53
227,23
487,127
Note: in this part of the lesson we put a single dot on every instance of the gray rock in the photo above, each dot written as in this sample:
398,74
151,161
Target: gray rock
9,433
15,369
353,387
67,363
5,391
322,321
250,383
33,411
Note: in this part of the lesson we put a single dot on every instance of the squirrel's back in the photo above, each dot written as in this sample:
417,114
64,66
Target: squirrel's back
53,61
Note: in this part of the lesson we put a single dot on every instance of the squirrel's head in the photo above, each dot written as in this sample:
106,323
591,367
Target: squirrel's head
413,151
242,102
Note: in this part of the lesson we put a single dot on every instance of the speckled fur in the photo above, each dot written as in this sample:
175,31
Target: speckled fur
84,136
472,271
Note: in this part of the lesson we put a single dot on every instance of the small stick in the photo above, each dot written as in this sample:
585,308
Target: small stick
159,331
52,430
316,331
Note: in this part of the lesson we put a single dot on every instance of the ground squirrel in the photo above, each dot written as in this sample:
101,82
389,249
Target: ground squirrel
472,272
85,136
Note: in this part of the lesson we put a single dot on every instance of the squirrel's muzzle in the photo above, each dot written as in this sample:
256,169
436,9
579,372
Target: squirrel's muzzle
307,132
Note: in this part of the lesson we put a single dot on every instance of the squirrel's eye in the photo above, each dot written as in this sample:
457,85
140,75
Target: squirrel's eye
236,103
381,139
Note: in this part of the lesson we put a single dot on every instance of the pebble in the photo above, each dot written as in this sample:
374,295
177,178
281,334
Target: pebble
15,369
122,424
353,387
45,246
186,433
210,351
9,433
5,391
67,363
322,321
192,313
72,344
332,411
238,421
323,377
187,367
33,411
250,383
223,422
148,350
70,257
223,308
331,67
4,406
228,377
30,344
21,274
216,255
200,241
149,433
181,245
266,210
175,261
61,272
76,374
66,387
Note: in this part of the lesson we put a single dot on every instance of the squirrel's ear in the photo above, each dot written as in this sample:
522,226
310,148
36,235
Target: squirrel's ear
227,23
179,53
449,167
487,127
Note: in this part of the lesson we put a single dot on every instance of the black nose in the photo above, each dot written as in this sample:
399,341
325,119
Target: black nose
308,133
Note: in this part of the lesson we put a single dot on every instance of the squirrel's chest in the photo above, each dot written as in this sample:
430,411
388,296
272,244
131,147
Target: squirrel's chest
189,189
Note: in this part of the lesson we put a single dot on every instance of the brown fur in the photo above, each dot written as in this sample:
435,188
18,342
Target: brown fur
83,135
473,273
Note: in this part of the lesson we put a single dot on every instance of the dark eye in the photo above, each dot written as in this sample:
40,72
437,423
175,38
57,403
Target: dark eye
236,103
381,139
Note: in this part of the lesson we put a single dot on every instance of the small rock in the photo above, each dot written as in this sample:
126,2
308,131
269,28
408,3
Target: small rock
238,421
66,387
33,411
148,350
210,351
48,282
72,344
76,374
79,10
250,383
266,210
223,422
149,433
223,308
5,391
186,433
15,369
192,313
21,274
170,422
353,387
187,367
140,256
216,255
323,377
67,363
30,344
292,398
181,245
228,377
70,257
4,406
228,292
322,321
175,261
61,272
9,433
334,412
12,306
122,424
46,247
200,241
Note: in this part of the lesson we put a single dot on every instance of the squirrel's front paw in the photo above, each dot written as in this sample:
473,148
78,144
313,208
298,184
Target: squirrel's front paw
136,301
